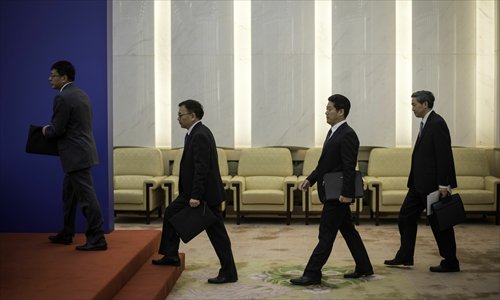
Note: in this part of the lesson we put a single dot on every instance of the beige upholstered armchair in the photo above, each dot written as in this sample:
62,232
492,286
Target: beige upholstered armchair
479,191
387,178
310,198
171,183
265,182
138,173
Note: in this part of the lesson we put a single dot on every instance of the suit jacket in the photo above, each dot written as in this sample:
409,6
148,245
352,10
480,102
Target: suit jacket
432,158
340,153
71,125
199,176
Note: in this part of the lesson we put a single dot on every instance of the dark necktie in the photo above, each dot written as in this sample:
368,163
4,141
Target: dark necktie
186,137
328,135
421,126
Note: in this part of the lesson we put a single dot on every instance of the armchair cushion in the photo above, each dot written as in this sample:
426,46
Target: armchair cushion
263,197
130,182
125,196
264,183
470,182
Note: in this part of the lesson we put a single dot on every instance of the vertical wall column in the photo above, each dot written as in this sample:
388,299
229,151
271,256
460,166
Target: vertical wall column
364,66
202,65
282,73
133,73
487,109
444,62
322,67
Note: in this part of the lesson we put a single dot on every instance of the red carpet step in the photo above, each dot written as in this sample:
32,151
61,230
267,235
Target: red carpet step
33,268
150,281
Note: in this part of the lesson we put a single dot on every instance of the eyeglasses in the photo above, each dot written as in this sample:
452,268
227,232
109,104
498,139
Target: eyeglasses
54,75
180,115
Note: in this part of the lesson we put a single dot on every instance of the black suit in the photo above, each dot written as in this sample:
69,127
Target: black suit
431,166
200,179
71,125
340,153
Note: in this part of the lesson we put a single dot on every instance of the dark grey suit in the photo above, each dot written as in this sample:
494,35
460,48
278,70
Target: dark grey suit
71,125
340,153
431,166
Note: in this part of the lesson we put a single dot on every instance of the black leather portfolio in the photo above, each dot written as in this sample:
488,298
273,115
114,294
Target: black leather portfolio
38,144
448,212
333,185
191,221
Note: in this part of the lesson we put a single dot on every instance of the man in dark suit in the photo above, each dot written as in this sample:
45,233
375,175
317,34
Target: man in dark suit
339,154
199,182
71,126
432,169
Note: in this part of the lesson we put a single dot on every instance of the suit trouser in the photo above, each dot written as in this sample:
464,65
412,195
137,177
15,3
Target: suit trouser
78,189
409,214
337,216
217,234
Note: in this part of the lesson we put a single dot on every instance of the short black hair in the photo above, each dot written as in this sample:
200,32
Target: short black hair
193,106
64,67
341,102
424,96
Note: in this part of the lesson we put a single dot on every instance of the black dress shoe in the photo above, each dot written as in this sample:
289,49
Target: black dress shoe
357,274
59,239
167,261
222,279
398,262
99,246
444,269
304,280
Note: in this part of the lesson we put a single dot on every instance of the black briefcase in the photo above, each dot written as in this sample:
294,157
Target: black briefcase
191,221
333,185
448,212
37,143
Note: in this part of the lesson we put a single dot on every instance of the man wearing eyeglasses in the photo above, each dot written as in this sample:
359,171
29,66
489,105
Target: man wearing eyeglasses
199,182
71,127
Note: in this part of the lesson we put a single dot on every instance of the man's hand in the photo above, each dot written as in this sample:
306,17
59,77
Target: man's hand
443,192
44,128
304,185
194,203
343,199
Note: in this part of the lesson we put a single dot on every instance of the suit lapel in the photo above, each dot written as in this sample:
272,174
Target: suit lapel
332,139
336,133
424,130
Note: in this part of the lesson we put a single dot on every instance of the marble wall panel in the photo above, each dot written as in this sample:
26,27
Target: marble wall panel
202,65
283,73
363,66
133,73
444,62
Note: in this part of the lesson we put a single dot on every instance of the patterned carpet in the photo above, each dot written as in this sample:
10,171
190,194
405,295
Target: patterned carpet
269,253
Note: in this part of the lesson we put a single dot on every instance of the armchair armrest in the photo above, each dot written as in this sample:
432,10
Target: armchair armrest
290,180
170,185
371,182
170,180
154,182
490,183
301,178
237,181
226,180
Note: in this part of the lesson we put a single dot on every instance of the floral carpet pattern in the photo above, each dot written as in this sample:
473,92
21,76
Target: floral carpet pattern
269,253
264,280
